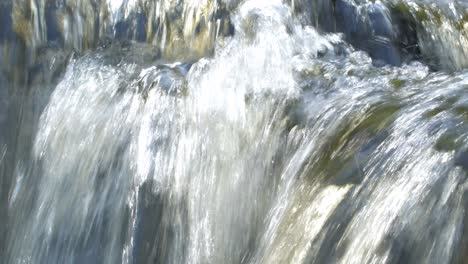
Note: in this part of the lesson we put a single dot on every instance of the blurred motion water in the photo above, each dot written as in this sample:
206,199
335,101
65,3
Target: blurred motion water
223,131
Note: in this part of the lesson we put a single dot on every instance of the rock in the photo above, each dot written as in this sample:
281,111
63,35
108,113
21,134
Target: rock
461,159
168,78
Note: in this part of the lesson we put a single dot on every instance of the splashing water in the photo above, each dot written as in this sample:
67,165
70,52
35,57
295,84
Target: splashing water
286,146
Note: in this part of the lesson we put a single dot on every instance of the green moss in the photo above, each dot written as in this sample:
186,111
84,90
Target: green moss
460,24
397,83
437,16
21,23
432,113
462,111
451,100
378,118
311,72
447,142
340,148
421,15
402,7
444,106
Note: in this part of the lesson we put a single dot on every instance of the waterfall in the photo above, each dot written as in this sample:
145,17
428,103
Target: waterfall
255,131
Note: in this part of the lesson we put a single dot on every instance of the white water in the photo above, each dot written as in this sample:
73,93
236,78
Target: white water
287,146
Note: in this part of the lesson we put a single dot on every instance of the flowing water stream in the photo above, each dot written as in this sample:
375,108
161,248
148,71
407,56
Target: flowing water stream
255,131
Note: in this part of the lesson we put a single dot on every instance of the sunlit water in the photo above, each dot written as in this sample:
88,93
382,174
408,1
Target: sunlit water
285,145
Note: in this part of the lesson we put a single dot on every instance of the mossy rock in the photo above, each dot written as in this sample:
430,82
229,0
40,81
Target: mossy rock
462,111
448,141
397,83
446,105
341,148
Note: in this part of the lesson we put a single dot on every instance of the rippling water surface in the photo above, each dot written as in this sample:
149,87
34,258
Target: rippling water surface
255,131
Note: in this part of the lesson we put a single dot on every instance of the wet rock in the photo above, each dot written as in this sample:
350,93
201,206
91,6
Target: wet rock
140,27
369,27
179,29
435,33
397,83
134,28
6,32
395,32
319,13
159,224
322,51
461,159
347,20
447,142
351,174
167,78
54,30
380,20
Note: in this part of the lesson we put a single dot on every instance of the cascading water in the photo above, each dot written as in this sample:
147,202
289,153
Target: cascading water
256,131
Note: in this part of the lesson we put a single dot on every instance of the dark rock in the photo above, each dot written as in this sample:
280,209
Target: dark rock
159,223
6,32
140,28
369,29
53,27
461,159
